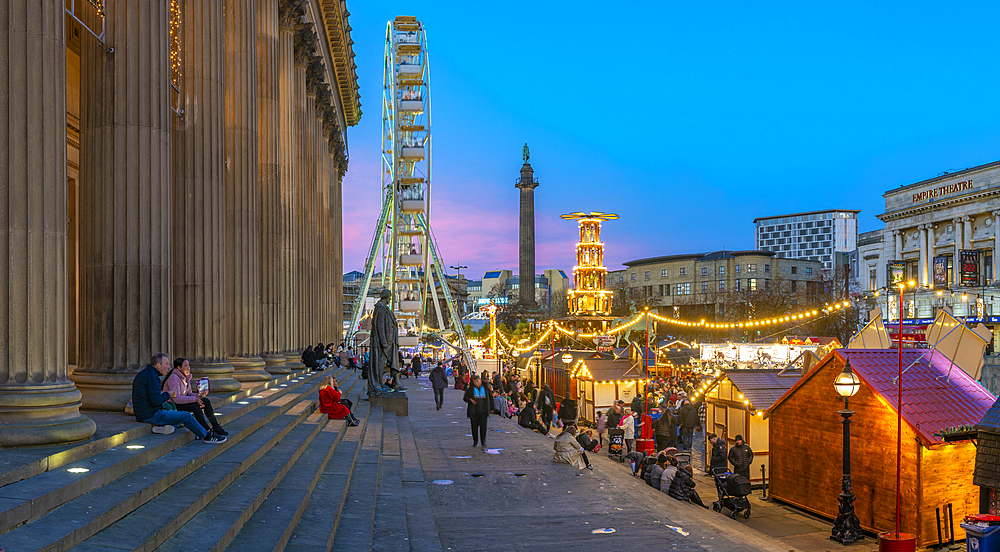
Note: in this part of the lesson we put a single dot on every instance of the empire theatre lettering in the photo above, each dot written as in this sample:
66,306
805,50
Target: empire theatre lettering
943,190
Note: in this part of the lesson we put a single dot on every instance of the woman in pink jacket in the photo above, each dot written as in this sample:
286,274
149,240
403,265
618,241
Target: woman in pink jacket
188,400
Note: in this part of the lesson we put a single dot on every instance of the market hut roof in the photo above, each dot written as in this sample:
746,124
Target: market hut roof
991,420
987,471
763,387
936,394
605,369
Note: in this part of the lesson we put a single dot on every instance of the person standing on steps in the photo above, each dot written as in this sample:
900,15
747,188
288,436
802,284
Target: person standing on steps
479,396
148,401
439,381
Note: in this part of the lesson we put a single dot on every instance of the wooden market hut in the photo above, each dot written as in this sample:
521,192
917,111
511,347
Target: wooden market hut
987,472
599,382
735,404
807,431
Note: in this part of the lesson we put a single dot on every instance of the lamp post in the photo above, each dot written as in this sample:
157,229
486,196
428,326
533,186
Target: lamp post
847,527
567,359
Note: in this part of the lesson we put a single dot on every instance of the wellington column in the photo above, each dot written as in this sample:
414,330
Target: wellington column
526,264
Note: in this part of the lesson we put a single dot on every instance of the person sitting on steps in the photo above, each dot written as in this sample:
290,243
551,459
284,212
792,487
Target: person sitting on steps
178,384
148,401
333,405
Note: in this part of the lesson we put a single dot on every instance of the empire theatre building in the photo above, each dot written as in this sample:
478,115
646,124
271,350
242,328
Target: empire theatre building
941,233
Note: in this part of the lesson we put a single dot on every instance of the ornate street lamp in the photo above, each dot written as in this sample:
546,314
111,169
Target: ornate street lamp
847,527
567,359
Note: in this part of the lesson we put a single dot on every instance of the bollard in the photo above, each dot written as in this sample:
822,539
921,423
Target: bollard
937,513
951,526
763,480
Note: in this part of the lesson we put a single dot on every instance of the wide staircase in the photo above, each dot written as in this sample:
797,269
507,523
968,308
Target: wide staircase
288,478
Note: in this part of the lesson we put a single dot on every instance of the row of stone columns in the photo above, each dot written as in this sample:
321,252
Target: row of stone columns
205,231
962,227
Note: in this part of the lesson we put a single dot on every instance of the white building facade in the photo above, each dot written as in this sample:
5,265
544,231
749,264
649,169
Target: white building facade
942,233
816,235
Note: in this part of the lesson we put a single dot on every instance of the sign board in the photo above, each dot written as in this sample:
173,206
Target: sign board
970,267
604,340
940,271
483,301
896,271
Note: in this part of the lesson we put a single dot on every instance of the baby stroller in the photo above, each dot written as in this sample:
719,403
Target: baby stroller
733,490
616,444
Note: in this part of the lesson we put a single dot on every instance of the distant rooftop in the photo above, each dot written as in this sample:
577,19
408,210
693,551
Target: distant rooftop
712,256
855,211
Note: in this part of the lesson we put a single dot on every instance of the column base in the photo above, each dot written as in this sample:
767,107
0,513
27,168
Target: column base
249,369
275,363
108,391
45,414
293,360
219,374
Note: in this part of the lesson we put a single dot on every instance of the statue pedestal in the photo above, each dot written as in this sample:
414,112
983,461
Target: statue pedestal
392,402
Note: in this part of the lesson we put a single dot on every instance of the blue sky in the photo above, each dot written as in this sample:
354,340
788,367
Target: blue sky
688,120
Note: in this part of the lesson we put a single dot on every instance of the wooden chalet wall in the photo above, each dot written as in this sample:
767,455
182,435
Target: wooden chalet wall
806,454
946,476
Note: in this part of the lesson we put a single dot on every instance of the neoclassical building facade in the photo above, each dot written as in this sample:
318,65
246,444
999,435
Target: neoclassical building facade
943,233
171,174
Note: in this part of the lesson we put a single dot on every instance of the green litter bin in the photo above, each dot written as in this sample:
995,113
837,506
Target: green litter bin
981,539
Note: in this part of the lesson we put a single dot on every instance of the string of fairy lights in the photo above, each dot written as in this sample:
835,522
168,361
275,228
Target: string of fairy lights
805,315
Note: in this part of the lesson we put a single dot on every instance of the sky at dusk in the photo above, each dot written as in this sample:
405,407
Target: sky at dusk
688,120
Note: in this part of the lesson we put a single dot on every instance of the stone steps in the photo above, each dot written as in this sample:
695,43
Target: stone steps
30,499
288,478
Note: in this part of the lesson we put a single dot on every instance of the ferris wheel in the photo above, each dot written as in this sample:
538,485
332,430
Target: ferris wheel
403,245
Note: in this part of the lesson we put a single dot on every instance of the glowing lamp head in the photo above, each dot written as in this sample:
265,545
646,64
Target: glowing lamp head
566,358
847,382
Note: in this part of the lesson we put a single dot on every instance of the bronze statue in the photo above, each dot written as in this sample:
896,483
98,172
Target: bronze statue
524,153
384,345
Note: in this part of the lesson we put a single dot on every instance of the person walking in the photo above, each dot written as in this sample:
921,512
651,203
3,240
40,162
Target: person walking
688,419
546,404
741,457
415,363
628,425
480,399
602,426
719,459
439,381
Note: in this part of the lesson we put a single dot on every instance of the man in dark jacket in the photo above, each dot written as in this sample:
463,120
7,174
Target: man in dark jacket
546,405
663,430
741,456
688,419
415,364
148,399
527,418
439,381
636,404
615,415
719,459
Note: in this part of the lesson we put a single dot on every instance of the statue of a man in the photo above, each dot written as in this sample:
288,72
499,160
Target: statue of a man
384,345
524,153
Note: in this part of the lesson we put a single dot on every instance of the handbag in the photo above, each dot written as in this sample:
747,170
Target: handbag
169,405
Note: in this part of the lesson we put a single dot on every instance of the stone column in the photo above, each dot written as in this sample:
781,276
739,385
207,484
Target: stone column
996,245
956,262
125,265
967,232
290,12
270,208
243,331
526,258
39,405
199,221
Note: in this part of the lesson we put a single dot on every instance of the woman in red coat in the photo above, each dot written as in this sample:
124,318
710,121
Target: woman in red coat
330,402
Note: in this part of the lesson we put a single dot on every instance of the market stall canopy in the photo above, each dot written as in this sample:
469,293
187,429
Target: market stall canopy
987,472
932,401
873,335
962,346
809,340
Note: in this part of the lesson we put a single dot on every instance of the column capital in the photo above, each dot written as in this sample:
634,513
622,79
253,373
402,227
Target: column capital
996,213
968,218
956,220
